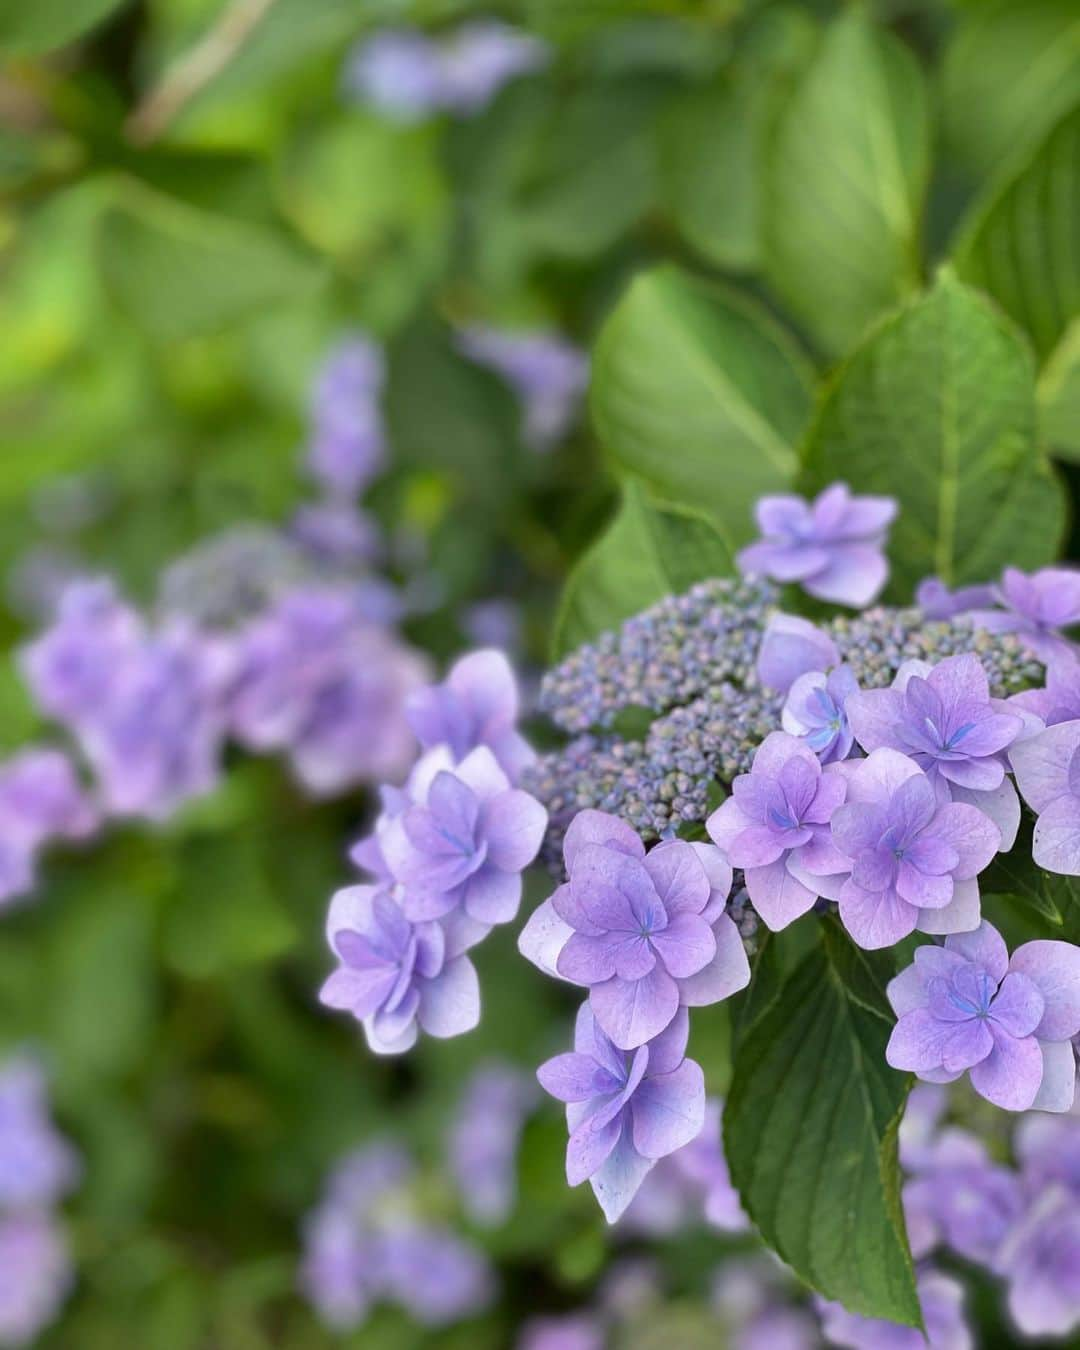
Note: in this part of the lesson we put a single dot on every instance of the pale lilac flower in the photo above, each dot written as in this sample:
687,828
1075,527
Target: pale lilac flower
1041,1260
1036,606
477,704
572,1331
461,839
37,1165
936,601
484,1140
1059,700
944,719
337,537
792,647
35,1275
40,799
911,859
433,1274
1047,769
318,680
624,1109
1047,1150
494,623
348,440
398,72
778,1329
816,712
967,1006
547,373
646,933
479,58
775,826
338,1273
832,546
397,977
942,1300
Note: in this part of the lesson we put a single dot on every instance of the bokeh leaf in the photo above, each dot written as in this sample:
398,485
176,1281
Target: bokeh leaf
845,175
1059,396
1021,241
936,408
29,26
650,549
700,395
817,1169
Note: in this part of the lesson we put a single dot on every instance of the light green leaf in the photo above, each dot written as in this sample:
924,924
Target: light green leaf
810,1129
180,271
845,175
937,409
1059,397
28,26
650,549
1021,241
699,394
1010,71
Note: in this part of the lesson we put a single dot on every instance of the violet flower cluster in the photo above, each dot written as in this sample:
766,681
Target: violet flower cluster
407,76
548,374
37,1169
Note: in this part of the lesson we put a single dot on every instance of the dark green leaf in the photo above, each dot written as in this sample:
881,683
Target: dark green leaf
28,26
936,408
1059,397
810,1130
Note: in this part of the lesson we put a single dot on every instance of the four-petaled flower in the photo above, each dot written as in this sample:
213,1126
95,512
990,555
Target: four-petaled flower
1047,768
624,1109
775,826
831,546
816,712
967,1006
1037,606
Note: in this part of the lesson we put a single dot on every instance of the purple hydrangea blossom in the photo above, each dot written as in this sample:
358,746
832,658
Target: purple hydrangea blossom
35,1275
1041,1260
477,704
480,58
942,1301
911,860
832,546
792,647
337,537
548,374
816,712
461,839
40,799
625,1110
348,441
484,1140
1047,769
37,1165
317,679
1036,606
967,1007
1059,699
1047,1150
646,933
944,719
398,977
775,826
572,1331
434,1274
936,601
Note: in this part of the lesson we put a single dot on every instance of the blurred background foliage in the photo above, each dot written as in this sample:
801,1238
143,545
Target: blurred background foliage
193,212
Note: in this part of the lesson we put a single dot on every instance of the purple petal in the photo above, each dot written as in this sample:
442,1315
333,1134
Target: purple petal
1055,968
685,946
513,825
485,683
450,1003
960,915
925,892
726,823
586,960
357,991
1056,840
726,973
781,514
973,836
617,1180
876,920
1057,1091
491,896
588,1148
877,777
544,936
1011,1073
778,897
679,877
666,1051
790,647
633,1012
985,947
967,1045
600,828
783,562
1041,763
575,1078
1018,1006
613,890
917,1041
668,1110
759,846
855,575
979,775
874,715
717,870
481,771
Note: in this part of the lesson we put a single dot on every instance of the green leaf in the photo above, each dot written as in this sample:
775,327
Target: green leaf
810,1130
29,26
179,271
650,549
936,408
1021,240
845,175
699,394
1050,899
1010,71
1058,393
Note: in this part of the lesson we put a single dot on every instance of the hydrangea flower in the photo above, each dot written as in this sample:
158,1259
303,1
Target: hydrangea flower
944,719
1036,606
1059,699
37,1165
549,375
40,799
397,977
462,838
484,1139
967,1007
572,1331
35,1275
482,56
624,1109
942,1301
832,546
775,826
792,647
911,859
1041,1261
936,601
398,72
348,441
1047,769
816,712
477,704
645,932
434,1274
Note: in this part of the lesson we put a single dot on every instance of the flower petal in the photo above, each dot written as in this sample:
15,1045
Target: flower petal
544,936
1057,1091
1056,840
450,1003
632,1012
513,824
778,897
876,919
1055,968
668,1110
1011,1073
726,973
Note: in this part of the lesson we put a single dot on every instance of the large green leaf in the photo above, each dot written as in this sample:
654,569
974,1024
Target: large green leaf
1059,396
649,550
180,271
1021,242
844,181
698,393
28,26
1010,71
810,1130
937,409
